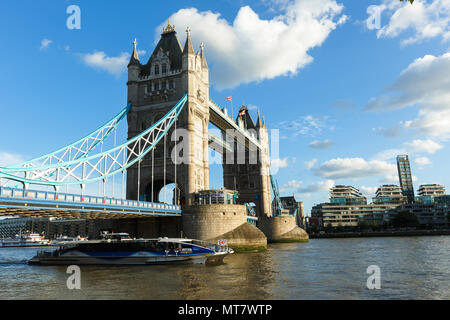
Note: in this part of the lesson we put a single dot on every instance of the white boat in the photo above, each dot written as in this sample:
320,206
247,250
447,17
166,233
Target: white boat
27,239
120,249
64,239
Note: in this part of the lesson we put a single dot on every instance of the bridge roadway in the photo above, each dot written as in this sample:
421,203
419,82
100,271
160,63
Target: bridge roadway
23,203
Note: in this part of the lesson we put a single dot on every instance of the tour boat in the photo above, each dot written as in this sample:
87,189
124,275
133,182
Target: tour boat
63,239
27,239
120,249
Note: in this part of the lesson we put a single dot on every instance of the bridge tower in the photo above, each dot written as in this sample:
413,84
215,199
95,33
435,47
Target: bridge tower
250,176
153,89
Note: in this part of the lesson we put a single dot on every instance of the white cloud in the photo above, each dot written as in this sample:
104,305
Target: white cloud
253,49
368,191
114,65
307,125
423,146
422,161
296,186
325,144
424,83
426,19
7,159
278,163
310,164
414,147
353,168
45,43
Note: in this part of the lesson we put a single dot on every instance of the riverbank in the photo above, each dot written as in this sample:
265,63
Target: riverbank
369,234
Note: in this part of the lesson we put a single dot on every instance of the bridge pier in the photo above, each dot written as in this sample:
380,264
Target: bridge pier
223,222
282,229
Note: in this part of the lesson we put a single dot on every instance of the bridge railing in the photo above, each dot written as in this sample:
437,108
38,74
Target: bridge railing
35,195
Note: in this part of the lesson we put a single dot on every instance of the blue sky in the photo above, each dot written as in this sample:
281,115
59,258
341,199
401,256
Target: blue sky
346,98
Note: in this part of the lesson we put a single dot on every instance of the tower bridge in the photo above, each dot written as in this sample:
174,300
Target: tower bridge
168,114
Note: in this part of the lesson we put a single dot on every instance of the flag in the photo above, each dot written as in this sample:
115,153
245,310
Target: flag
229,98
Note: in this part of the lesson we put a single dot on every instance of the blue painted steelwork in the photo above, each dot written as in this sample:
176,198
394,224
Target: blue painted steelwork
148,138
278,203
110,126
42,200
252,220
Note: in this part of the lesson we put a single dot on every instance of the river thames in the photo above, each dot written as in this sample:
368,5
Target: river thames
411,268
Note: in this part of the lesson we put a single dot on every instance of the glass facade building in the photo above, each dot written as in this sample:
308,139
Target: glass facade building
404,174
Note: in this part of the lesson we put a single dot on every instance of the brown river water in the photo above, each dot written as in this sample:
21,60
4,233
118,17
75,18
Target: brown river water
411,268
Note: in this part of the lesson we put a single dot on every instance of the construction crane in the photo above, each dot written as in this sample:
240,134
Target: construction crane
276,194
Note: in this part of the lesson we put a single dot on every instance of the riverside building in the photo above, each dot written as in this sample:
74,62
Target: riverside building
405,177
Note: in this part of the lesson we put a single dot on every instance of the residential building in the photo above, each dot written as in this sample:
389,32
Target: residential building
405,177
389,194
433,190
347,195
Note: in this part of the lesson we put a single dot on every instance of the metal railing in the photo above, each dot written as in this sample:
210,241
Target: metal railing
35,195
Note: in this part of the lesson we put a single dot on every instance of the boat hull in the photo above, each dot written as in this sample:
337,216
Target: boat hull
133,260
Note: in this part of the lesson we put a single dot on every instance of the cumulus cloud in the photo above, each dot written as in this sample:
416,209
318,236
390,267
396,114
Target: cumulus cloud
353,168
414,147
297,187
425,19
424,83
252,48
278,163
422,161
368,191
113,65
45,43
321,145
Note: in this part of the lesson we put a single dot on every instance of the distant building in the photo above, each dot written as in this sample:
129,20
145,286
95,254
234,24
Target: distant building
433,190
389,194
405,177
347,195
294,207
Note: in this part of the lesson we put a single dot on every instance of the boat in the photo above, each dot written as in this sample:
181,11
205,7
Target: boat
64,239
26,239
120,249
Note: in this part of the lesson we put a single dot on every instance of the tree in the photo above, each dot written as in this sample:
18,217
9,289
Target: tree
409,1
405,219
328,227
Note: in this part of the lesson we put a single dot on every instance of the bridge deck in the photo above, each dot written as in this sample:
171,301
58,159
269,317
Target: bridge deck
30,203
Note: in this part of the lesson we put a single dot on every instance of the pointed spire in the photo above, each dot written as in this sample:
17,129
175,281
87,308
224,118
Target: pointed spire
134,60
258,122
264,122
188,49
202,56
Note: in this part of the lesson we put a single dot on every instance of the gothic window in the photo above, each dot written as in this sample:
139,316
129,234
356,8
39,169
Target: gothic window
171,84
156,68
164,68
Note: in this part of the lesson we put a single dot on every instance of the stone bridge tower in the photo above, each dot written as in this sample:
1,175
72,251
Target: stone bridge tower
250,175
153,89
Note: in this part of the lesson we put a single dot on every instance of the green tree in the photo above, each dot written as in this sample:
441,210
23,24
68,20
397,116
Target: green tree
405,219
328,227
409,1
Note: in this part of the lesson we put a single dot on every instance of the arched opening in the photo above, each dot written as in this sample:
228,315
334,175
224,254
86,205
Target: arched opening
167,193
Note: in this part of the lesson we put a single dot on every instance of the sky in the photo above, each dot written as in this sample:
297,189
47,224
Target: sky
348,84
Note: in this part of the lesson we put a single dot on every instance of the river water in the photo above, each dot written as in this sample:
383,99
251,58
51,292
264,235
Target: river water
411,268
